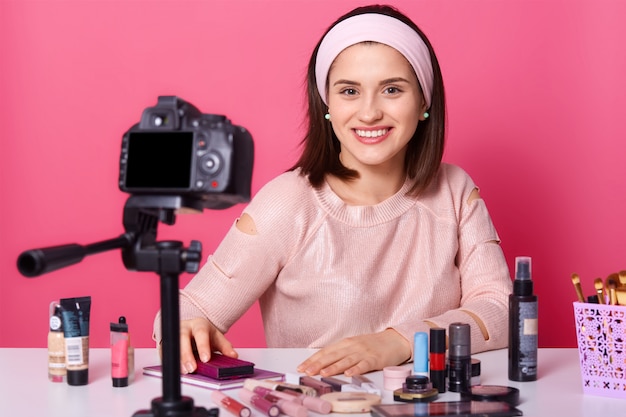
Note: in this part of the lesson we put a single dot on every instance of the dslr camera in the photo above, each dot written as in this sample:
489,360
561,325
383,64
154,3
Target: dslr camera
176,150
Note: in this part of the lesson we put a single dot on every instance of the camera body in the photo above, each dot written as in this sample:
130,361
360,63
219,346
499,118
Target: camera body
176,150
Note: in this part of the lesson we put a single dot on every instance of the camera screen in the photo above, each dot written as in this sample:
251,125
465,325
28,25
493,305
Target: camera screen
159,160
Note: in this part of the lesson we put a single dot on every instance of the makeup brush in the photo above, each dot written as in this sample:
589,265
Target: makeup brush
599,285
578,288
620,294
614,278
611,283
612,289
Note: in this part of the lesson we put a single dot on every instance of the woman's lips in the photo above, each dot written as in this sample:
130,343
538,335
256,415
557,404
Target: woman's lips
371,136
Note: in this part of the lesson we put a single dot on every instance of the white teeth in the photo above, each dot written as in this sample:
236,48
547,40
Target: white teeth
371,133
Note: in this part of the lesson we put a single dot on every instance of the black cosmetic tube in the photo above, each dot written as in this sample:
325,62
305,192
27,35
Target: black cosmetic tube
437,358
459,358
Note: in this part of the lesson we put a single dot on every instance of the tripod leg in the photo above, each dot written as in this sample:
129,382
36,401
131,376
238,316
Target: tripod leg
172,403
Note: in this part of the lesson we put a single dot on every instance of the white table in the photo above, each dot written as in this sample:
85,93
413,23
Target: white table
26,391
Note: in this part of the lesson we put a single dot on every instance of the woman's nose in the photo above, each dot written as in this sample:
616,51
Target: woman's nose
370,111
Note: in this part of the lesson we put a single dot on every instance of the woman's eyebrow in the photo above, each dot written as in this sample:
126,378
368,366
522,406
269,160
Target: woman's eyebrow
382,82
394,80
346,82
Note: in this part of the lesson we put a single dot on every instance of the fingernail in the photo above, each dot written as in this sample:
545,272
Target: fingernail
204,357
189,367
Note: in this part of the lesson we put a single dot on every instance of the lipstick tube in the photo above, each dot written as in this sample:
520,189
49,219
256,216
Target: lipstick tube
437,356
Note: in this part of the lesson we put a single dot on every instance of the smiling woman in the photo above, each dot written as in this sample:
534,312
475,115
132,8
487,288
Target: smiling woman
369,225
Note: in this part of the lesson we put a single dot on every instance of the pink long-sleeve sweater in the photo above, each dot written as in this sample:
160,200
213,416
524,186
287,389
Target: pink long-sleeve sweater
323,270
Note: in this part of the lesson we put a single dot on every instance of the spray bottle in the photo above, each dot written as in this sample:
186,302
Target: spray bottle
523,313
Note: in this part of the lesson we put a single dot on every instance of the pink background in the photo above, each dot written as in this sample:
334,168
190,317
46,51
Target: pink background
535,96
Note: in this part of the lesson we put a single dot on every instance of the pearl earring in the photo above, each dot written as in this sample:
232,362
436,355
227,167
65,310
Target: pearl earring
426,115
327,116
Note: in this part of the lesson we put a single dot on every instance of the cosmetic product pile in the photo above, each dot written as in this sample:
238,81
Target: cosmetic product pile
433,372
68,341
610,291
68,344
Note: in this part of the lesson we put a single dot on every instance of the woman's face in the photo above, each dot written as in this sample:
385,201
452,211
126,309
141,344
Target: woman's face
375,104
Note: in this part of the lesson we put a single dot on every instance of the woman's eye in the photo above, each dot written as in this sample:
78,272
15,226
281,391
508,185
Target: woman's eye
349,91
392,90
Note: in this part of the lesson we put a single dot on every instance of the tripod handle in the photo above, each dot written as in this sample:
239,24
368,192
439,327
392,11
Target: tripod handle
35,262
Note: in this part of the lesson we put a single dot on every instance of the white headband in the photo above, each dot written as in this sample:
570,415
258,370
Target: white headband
376,28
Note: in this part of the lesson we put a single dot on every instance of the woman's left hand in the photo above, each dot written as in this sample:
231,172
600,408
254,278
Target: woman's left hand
358,355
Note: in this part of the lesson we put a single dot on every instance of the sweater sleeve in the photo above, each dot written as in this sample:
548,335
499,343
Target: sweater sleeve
244,265
484,275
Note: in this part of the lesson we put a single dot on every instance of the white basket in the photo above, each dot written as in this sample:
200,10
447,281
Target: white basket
601,334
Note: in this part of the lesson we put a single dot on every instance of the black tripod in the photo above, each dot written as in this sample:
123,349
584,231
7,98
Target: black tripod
142,252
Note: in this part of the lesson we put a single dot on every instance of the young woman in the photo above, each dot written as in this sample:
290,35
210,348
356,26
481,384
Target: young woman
369,238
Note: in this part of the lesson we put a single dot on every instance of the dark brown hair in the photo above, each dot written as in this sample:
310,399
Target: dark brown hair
320,155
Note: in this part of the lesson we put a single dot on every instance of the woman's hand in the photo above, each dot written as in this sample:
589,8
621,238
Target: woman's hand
206,337
358,355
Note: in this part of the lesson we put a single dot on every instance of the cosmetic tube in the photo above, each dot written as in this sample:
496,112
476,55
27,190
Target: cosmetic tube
420,354
437,358
261,404
230,404
287,406
459,357
250,383
75,313
320,387
56,345
523,324
119,353
315,404
336,383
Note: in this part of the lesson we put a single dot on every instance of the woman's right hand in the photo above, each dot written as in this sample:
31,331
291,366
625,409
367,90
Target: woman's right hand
206,337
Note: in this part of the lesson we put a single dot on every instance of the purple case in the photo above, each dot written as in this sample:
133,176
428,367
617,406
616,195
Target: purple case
225,367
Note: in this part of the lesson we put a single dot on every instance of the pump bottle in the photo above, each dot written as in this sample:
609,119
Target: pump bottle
523,314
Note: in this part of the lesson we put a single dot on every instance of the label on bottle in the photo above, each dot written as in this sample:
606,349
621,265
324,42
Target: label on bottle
528,341
55,323
75,351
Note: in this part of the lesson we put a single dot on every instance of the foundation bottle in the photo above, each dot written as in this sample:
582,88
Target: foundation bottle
57,370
